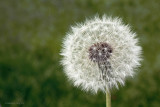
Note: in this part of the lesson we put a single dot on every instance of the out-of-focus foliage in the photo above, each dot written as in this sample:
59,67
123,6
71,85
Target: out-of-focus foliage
31,32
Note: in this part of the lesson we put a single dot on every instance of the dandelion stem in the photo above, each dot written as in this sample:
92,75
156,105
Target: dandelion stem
108,99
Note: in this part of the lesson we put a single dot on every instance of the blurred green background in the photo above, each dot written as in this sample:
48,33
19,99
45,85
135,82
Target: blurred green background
31,33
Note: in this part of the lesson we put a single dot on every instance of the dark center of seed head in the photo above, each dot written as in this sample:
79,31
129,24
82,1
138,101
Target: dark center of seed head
100,52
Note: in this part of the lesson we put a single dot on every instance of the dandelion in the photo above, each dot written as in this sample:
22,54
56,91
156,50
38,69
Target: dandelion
100,53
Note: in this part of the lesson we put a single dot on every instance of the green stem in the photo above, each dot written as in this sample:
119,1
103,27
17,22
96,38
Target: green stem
108,99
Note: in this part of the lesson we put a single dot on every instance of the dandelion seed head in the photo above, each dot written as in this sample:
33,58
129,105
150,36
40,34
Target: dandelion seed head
100,53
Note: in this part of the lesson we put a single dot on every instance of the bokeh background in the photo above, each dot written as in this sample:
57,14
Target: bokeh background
31,34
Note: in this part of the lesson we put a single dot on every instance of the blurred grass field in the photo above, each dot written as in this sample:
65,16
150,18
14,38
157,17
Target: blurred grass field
31,34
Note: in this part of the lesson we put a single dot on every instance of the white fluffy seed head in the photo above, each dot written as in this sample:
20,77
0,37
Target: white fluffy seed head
100,72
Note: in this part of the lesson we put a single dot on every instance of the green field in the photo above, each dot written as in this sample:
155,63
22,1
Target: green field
31,34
